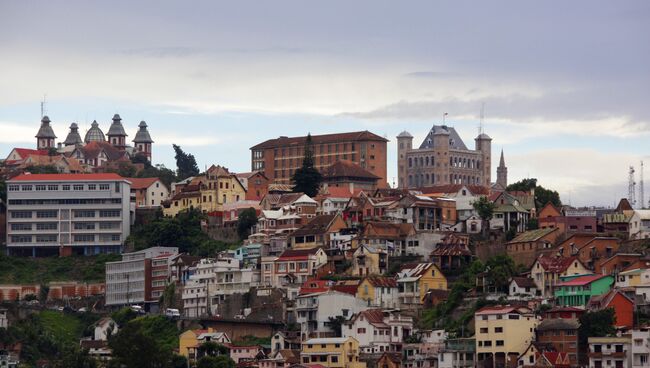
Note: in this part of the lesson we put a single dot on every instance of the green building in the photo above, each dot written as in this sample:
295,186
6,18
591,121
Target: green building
576,291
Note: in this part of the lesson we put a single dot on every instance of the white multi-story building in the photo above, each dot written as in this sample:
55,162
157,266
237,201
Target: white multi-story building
85,213
378,331
211,280
135,278
641,348
314,310
606,352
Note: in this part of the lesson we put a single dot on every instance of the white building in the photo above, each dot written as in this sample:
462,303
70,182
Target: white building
131,280
378,331
211,280
4,322
640,348
89,213
148,192
640,225
612,352
313,311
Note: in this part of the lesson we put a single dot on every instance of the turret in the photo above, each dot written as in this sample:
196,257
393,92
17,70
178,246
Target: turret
502,172
73,137
404,144
45,136
143,141
484,145
94,134
116,134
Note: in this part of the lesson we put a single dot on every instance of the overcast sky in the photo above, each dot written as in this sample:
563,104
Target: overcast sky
566,84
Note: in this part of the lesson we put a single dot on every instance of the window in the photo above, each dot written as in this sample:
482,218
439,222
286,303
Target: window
84,237
109,213
47,226
65,187
52,187
26,188
84,213
499,342
40,187
13,188
47,214
334,359
21,227
92,186
498,329
484,330
104,187
78,187
21,238
21,214
51,238
84,226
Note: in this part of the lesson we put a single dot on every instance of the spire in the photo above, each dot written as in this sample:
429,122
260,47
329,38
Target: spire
45,130
73,137
502,173
502,162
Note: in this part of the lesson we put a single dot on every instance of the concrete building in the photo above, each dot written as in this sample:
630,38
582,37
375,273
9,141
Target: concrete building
279,158
612,352
314,310
640,348
378,331
71,213
443,158
148,192
140,277
338,352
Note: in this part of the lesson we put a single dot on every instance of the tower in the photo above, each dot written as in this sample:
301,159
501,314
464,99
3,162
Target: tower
404,144
94,134
631,188
116,134
484,145
73,137
642,203
45,136
502,173
143,140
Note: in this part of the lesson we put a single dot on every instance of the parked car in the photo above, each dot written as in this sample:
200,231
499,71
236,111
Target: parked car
138,309
172,313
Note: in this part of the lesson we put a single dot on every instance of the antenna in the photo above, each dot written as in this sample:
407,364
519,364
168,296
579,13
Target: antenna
641,193
631,187
43,110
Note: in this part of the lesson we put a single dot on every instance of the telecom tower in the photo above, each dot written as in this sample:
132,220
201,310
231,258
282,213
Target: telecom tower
631,189
641,194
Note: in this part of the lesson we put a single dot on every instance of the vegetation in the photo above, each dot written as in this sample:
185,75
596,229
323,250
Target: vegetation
145,342
42,169
542,195
336,324
3,191
185,164
247,219
485,209
221,361
22,270
183,231
596,324
500,269
307,179
533,224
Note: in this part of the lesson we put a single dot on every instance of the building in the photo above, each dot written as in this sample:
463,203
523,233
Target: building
576,291
367,260
292,266
640,224
378,331
148,192
140,277
414,280
503,333
522,287
463,195
4,322
70,213
442,159
313,311
457,353
526,247
379,292
562,335
347,174
502,174
318,231
640,348
610,352
623,307
337,352
255,183
190,341
547,270
279,158
509,213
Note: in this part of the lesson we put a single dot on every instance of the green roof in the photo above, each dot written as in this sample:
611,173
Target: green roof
532,235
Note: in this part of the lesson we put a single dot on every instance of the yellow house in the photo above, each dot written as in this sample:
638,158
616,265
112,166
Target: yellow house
190,340
368,260
378,291
503,333
414,280
547,270
333,352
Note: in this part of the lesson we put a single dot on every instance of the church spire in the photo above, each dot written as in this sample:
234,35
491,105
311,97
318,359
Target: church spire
502,162
502,172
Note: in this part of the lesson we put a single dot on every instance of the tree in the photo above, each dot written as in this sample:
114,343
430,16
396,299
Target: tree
500,269
485,209
307,179
145,342
185,164
247,219
542,195
42,169
140,158
532,224
220,361
336,324
595,324
211,348
52,151
3,191
167,176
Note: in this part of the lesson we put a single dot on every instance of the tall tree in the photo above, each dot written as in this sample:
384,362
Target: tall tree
185,164
485,209
3,191
307,179
247,219
542,195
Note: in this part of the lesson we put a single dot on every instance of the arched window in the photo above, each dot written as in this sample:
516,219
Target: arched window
427,160
410,162
427,177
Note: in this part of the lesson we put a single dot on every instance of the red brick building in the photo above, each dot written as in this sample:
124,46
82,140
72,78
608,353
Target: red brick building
255,183
279,158
562,335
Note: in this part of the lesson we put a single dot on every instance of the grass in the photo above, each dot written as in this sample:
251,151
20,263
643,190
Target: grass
19,270
62,327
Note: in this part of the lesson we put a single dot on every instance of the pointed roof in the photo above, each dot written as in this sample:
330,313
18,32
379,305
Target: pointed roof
45,131
116,127
73,136
94,134
455,141
348,169
142,136
502,161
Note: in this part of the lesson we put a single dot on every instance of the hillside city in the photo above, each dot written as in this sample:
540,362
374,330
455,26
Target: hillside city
314,258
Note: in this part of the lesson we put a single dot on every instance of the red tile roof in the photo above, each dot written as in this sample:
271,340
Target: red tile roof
348,169
556,264
381,281
141,183
498,309
582,280
319,139
67,177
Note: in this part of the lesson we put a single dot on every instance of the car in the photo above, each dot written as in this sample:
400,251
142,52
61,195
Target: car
240,316
82,310
138,309
172,313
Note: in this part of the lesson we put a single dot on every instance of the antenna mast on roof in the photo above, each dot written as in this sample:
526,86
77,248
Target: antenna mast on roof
631,188
641,193
43,106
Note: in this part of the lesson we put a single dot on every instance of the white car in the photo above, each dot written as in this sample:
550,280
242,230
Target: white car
172,313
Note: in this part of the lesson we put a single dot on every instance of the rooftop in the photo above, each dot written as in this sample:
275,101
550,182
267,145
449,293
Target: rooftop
68,177
320,139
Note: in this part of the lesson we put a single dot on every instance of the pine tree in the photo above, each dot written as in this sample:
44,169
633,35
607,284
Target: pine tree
307,179
185,163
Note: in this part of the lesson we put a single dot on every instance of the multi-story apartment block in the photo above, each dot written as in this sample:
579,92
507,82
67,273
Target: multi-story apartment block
562,334
610,352
73,213
457,353
337,352
502,334
379,331
292,266
140,277
279,158
641,348
443,158
313,311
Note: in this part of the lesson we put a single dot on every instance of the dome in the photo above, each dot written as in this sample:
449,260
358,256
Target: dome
73,137
483,136
405,134
45,131
116,127
142,136
94,134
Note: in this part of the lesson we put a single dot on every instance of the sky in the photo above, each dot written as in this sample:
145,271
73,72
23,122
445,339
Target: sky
565,85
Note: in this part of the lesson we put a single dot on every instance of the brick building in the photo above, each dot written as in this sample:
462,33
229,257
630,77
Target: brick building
443,158
279,158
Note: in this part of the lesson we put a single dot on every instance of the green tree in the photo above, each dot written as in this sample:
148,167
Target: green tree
211,348
42,169
185,164
167,176
220,361
595,324
140,158
52,151
247,219
485,209
542,195
336,324
500,269
532,224
307,179
145,342
3,191
73,357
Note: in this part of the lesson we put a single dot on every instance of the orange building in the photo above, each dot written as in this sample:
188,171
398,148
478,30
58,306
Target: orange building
622,305
279,158
256,184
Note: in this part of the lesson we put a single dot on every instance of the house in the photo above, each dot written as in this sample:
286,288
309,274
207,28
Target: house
568,221
414,280
576,291
281,358
317,232
190,340
292,266
104,329
463,195
283,341
347,174
336,352
378,331
562,335
255,183
640,224
536,356
367,260
313,311
640,347
247,353
425,213
617,263
452,253
379,291
547,270
508,213
390,360
522,287
457,353
503,333
591,249
527,246
387,236
612,351
564,312
148,192
623,306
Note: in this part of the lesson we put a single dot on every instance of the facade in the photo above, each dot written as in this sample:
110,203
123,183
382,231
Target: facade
379,291
338,352
503,333
367,260
292,266
347,174
640,348
378,331
148,192
562,335
414,280
442,159
577,291
314,310
81,213
279,158
190,340
528,246
547,270
255,183
610,352
140,277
